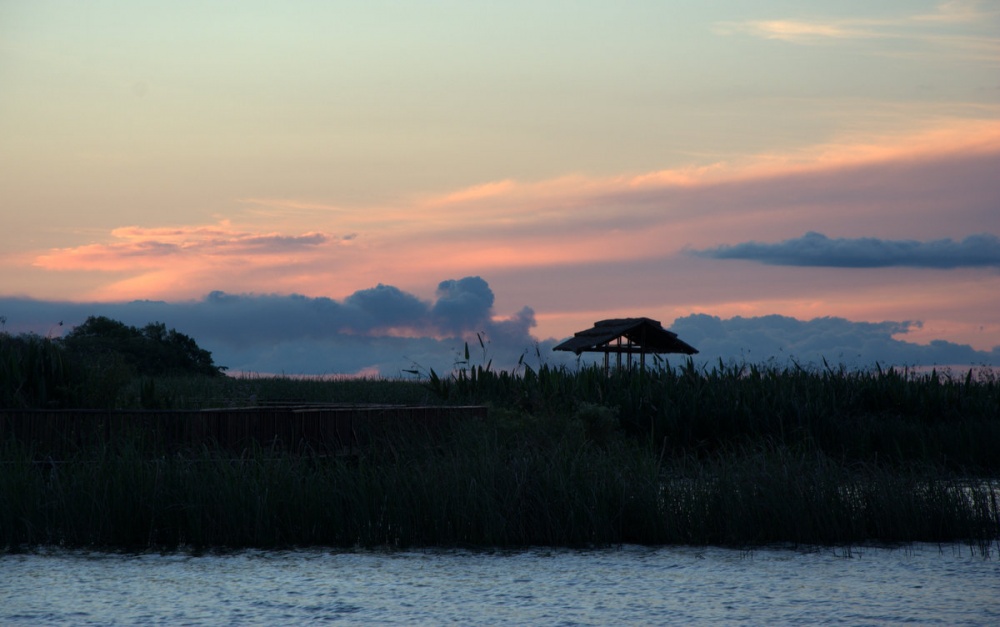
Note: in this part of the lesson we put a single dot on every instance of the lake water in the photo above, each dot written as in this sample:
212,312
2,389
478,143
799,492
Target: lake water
923,584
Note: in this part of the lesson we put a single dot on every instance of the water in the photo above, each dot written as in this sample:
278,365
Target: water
923,584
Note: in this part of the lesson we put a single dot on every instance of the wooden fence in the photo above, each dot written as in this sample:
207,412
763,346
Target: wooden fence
323,429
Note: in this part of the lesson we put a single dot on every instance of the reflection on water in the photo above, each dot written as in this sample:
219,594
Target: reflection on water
631,585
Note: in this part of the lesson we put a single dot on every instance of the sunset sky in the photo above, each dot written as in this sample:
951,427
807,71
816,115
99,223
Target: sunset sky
378,181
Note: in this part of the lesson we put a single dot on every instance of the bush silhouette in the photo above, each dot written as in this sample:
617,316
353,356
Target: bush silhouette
152,350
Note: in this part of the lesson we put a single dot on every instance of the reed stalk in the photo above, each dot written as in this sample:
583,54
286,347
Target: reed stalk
483,487
728,455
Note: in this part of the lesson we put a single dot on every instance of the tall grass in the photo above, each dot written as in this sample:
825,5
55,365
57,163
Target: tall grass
502,483
247,390
880,415
32,372
733,455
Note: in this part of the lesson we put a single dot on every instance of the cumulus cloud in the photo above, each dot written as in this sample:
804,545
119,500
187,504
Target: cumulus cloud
381,329
383,308
463,304
816,249
781,339
384,330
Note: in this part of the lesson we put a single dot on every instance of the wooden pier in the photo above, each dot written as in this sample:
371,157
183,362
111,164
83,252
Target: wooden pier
306,428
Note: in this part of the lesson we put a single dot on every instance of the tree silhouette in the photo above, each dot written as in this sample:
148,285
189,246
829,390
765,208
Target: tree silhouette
152,350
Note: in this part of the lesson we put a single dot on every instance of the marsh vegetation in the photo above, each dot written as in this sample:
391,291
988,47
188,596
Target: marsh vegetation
727,455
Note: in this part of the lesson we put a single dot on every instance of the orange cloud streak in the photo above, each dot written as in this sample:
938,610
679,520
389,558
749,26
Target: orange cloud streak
499,225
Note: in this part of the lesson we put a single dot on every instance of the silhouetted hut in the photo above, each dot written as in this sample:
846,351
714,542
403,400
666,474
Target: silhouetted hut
626,336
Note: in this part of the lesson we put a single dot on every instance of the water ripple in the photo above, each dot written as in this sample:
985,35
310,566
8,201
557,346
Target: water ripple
923,584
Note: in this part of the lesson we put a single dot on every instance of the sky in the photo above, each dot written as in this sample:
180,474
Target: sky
362,187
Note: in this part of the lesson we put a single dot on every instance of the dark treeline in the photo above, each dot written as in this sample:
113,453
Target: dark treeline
93,363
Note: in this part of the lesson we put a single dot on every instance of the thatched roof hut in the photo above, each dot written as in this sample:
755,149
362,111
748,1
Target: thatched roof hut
626,336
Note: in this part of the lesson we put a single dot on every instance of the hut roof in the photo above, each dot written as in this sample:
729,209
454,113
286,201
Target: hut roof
643,334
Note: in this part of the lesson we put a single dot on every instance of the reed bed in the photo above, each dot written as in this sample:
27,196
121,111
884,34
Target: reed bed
878,416
735,455
247,390
893,416
497,484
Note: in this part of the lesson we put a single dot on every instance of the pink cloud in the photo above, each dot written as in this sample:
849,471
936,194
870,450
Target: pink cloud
577,246
175,261
149,247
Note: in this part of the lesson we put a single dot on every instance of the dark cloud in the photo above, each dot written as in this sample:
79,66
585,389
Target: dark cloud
386,330
816,249
381,328
779,339
463,304
384,307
